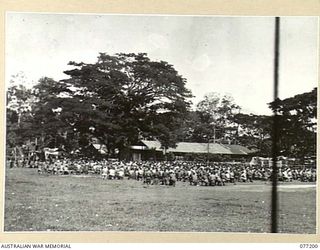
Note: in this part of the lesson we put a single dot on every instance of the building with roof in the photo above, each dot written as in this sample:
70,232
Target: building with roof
147,150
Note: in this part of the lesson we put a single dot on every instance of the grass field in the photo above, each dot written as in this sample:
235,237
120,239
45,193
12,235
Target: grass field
73,203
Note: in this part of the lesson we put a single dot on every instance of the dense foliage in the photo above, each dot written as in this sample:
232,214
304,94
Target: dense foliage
123,98
116,100
297,124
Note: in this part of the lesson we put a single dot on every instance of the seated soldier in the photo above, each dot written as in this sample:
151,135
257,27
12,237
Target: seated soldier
104,173
205,180
294,174
243,177
112,173
290,175
131,174
227,176
309,175
120,174
218,179
212,179
285,176
314,176
265,175
280,175
194,179
40,169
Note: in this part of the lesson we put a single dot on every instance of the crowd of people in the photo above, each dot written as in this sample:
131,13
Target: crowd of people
168,173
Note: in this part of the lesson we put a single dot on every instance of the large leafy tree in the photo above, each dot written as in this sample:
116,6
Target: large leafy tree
48,124
254,131
215,114
297,124
119,99
19,118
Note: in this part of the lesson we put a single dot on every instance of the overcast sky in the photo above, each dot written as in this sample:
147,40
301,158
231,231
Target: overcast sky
232,55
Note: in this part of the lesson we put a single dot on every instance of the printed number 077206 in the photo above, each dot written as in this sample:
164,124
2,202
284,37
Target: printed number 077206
308,245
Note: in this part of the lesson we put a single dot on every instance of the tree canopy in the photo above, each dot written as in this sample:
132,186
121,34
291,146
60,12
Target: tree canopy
118,100
123,98
297,124
212,119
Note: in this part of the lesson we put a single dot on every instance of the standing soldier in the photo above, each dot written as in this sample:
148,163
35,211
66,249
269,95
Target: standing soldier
232,176
147,176
280,175
193,178
165,177
155,176
131,173
223,178
249,175
172,178
218,178
212,178
236,175
314,175
140,174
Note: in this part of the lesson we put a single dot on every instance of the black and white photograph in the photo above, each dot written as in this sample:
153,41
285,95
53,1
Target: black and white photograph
160,123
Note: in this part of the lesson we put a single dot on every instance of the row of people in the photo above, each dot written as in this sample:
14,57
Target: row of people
167,173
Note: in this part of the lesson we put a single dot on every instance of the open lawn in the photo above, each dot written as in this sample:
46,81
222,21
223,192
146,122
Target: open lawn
87,203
